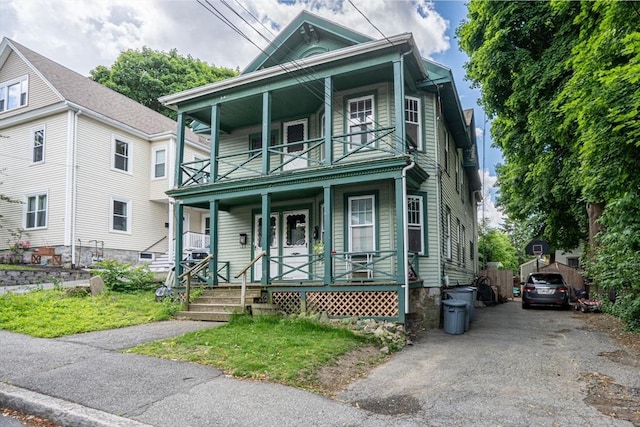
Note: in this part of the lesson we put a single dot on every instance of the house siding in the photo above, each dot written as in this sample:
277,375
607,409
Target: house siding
97,184
40,93
22,177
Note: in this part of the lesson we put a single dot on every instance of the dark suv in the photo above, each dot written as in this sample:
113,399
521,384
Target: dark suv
545,289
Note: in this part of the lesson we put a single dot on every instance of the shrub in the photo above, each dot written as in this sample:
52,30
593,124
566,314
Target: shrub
123,277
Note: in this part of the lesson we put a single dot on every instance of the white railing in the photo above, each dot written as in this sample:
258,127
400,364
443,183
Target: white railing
191,240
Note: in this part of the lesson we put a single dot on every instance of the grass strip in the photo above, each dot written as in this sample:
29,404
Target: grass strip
283,350
53,313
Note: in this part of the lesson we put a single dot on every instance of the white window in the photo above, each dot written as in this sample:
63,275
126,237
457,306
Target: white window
160,163
323,148
415,224
459,243
362,221
360,120
13,93
121,155
37,139
446,151
463,243
447,234
413,122
36,211
457,171
462,189
120,215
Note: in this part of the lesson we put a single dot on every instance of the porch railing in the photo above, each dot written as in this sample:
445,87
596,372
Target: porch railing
193,240
364,266
189,273
378,142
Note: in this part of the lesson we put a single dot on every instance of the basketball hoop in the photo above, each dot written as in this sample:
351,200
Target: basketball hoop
538,250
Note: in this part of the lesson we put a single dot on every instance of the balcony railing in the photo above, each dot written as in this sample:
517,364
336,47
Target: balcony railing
378,142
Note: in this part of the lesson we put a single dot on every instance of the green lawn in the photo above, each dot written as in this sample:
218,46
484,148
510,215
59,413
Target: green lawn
286,350
283,350
52,313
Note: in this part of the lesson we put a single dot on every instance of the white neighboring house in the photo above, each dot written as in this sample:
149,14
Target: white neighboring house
90,165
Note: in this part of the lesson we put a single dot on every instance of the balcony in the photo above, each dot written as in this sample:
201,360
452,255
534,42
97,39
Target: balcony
309,154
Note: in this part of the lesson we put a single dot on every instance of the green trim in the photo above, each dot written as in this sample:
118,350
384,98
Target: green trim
345,109
376,205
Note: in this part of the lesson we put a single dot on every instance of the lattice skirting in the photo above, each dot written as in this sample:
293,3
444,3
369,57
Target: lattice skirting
289,302
365,304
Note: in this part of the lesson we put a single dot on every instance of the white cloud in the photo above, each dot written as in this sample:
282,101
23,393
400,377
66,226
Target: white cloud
488,209
81,34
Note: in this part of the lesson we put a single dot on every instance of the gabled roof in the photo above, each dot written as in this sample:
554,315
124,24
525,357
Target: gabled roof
317,33
85,93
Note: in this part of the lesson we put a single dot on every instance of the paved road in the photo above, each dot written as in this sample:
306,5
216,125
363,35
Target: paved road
512,368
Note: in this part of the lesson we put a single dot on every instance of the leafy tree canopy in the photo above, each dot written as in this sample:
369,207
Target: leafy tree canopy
494,246
147,74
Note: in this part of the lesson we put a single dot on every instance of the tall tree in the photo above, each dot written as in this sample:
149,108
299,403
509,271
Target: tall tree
147,74
563,82
517,54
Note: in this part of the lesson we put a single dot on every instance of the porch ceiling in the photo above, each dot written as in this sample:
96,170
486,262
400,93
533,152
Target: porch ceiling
303,98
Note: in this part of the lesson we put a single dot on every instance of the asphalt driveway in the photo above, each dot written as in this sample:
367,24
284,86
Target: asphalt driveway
514,367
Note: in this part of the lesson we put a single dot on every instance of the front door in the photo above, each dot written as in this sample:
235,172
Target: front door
295,133
295,245
257,267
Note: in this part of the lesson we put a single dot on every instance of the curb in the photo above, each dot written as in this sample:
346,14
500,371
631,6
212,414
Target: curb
60,411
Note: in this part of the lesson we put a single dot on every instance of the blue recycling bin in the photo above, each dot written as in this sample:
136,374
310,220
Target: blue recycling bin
455,314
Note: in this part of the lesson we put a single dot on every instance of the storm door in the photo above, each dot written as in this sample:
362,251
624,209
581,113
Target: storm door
295,245
295,133
257,234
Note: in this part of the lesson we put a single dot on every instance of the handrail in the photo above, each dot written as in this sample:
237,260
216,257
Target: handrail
248,266
199,266
243,273
153,244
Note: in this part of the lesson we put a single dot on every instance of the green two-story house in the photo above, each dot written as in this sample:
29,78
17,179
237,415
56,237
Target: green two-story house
342,170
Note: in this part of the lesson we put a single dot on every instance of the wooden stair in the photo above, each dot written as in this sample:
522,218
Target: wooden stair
218,304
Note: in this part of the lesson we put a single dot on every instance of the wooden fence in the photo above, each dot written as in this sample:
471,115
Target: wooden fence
572,276
501,280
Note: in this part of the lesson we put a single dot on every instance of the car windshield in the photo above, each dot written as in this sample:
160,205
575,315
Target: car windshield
553,279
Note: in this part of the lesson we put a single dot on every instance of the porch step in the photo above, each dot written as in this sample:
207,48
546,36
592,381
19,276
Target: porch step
218,304
205,316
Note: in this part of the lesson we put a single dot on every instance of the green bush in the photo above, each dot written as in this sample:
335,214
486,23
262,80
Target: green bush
615,265
123,277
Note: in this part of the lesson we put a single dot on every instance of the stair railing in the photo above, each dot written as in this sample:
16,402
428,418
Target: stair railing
193,270
243,273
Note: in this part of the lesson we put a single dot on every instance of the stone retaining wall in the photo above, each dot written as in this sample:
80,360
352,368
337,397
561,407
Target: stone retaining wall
41,275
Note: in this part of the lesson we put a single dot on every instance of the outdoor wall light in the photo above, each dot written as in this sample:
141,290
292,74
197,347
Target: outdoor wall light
243,239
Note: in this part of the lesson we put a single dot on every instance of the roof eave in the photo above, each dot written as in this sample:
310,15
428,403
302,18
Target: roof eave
173,100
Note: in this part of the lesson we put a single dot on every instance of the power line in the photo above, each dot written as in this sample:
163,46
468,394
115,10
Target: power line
309,71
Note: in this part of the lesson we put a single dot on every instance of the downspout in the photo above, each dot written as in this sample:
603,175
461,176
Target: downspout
405,213
71,182
74,186
405,220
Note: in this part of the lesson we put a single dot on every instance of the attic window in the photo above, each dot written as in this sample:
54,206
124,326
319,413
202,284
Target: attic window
13,93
